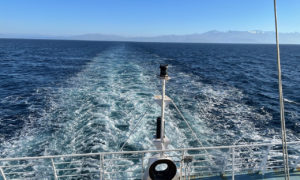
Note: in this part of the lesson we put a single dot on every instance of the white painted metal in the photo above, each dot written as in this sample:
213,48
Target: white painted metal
101,167
147,151
162,142
181,165
2,174
233,159
54,169
158,99
124,165
143,154
264,161
163,111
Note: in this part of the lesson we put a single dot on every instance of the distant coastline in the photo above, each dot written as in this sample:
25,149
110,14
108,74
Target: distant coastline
228,37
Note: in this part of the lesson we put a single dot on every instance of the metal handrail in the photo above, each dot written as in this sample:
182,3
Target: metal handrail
145,151
235,160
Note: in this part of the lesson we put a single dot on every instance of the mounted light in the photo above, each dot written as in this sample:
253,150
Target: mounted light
163,70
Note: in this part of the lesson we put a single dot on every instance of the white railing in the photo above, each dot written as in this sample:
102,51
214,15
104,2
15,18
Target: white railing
191,162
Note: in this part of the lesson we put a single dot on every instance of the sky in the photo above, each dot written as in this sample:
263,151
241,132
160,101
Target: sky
145,17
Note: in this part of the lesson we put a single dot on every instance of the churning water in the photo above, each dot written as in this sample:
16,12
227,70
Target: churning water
59,97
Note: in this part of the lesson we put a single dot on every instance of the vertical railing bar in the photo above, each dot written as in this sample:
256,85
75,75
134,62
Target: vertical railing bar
233,163
264,161
102,167
181,165
185,168
143,154
54,169
189,171
2,173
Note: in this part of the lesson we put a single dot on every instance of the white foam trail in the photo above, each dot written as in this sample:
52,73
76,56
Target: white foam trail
99,107
220,115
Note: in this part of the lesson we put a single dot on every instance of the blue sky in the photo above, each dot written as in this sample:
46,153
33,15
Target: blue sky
145,17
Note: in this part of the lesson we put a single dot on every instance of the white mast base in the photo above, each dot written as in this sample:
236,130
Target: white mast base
161,145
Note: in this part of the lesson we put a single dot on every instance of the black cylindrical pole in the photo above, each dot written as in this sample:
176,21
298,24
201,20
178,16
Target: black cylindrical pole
158,127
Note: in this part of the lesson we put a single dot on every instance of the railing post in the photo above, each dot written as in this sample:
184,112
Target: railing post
233,163
181,165
264,161
2,173
54,169
143,154
101,168
225,160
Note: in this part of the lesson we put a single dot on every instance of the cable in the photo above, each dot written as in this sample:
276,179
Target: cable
282,119
140,119
192,130
187,123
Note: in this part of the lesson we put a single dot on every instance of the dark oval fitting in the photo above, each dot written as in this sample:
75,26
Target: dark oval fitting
163,70
166,174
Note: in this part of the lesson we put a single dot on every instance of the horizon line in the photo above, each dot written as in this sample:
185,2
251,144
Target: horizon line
129,41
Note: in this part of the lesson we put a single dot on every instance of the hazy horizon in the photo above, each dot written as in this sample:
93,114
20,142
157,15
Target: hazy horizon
167,34
213,36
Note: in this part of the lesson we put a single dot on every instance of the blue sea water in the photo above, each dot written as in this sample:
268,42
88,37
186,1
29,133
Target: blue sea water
59,97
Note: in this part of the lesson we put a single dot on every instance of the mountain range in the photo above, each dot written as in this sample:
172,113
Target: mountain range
255,37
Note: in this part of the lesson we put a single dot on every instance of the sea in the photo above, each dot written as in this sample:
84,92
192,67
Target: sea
62,97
